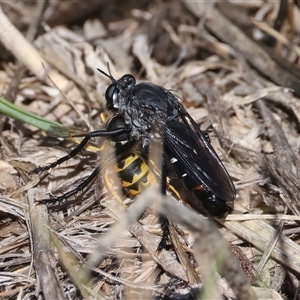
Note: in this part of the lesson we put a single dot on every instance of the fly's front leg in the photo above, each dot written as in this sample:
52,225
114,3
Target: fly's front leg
82,145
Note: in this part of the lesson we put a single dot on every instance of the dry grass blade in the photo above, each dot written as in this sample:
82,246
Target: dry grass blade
147,240
28,55
260,59
44,260
211,251
259,233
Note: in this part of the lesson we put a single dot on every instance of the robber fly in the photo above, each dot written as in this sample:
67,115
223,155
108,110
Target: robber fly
154,114
149,113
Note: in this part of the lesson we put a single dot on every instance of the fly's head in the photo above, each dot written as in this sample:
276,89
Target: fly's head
118,93
140,105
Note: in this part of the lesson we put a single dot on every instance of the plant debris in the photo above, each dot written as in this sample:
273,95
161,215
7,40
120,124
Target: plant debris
235,66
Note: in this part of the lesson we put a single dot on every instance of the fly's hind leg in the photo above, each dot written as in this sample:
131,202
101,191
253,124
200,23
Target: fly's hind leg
78,189
163,220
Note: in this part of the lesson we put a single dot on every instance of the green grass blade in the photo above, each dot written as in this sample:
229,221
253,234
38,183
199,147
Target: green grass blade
15,112
51,127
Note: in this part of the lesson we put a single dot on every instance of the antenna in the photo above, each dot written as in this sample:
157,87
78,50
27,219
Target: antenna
109,73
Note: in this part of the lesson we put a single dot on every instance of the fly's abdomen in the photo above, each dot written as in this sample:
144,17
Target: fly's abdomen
213,204
183,174
134,174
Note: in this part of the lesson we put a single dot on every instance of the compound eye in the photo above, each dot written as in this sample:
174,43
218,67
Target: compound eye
110,95
129,80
